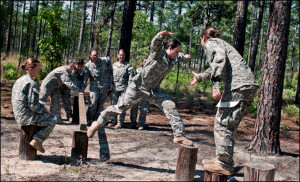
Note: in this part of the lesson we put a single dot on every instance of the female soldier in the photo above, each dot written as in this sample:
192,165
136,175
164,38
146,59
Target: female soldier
123,74
227,66
26,106
146,84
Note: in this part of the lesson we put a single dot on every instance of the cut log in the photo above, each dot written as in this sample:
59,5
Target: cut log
210,176
82,112
79,145
75,111
259,171
186,163
27,152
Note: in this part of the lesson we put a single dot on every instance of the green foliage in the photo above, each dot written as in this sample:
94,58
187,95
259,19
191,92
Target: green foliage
284,128
10,71
252,109
291,111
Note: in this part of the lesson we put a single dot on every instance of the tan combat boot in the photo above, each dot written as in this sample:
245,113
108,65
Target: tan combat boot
118,126
37,144
209,161
92,130
217,168
183,140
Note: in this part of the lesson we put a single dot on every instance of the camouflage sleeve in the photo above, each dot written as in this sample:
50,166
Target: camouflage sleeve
110,72
33,99
206,75
130,73
180,57
216,56
86,76
65,78
156,44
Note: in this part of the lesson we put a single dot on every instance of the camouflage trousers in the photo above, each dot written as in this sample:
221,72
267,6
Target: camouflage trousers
227,121
63,93
143,112
134,95
46,123
97,100
114,100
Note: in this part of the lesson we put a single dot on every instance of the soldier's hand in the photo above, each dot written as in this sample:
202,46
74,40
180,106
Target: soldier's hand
80,93
165,32
217,93
194,80
187,57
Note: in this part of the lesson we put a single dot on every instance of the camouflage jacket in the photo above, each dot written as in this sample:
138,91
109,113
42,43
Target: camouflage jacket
59,77
25,100
157,66
78,77
122,74
226,65
100,74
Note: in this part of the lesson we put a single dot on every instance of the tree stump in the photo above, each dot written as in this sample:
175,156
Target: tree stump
75,119
27,152
79,145
186,163
210,176
259,171
82,112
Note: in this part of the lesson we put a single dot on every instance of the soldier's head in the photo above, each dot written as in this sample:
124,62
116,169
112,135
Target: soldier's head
93,55
32,67
209,32
143,62
121,55
79,64
70,65
173,48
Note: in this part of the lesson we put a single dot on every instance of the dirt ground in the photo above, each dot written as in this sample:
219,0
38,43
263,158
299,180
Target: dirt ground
132,155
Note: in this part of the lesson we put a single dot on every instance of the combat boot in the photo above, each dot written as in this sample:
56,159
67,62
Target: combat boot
92,130
182,140
118,126
37,144
209,161
217,168
141,128
69,117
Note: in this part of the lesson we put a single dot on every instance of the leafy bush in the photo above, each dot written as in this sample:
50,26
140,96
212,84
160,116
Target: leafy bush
291,111
10,71
252,109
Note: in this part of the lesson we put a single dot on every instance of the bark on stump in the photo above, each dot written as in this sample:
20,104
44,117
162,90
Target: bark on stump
82,112
186,163
259,171
210,176
27,152
79,145
75,119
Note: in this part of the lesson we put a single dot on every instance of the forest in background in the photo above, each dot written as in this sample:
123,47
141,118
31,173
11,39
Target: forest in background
55,31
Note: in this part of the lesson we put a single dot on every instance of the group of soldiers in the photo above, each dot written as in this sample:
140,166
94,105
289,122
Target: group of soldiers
130,89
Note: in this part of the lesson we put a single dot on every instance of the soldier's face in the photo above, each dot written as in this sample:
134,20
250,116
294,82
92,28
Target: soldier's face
34,72
94,56
121,56
78,67
70,67
173,53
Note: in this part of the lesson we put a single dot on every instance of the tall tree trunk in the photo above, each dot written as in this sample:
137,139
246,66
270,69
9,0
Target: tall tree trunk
267,126
257,34
251,35
294,48
162,7
68,29
297,98
152,11
206,19
9,32
127,24
93,22
3,21
111,27
21,34
260,50
28,30
82,28
15,33
178,28
34,28
240,26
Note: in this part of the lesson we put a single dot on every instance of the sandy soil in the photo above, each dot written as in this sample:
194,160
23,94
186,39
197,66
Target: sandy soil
132,155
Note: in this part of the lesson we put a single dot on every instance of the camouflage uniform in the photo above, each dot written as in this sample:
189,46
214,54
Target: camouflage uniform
57,84
78,77
28,110
143,109
123,74
227,66
101,79
146,84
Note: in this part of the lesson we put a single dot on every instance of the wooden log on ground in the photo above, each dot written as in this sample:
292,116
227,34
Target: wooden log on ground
186,163
82,112
26,151
259,171
79,144
210,176
75,119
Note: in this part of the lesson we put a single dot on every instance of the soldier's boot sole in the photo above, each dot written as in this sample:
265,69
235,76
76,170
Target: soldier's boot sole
37,145
217,168
92,130
183,140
